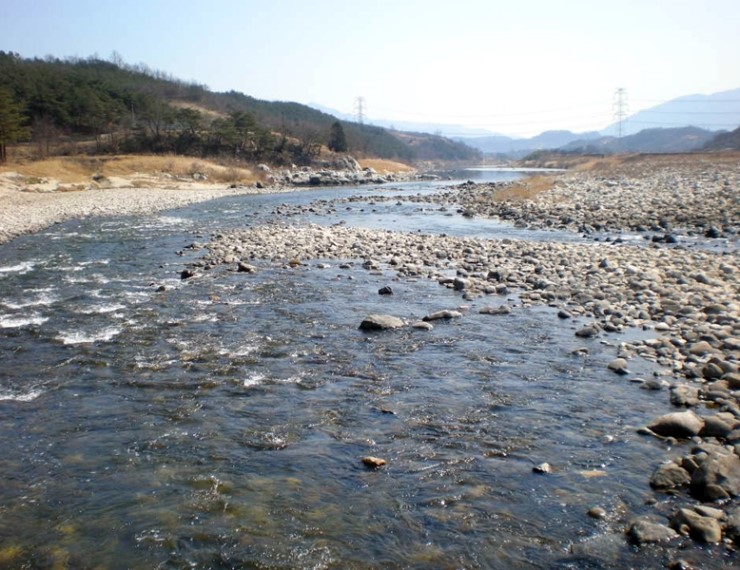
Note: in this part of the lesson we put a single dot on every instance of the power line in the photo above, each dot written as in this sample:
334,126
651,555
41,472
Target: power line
703,101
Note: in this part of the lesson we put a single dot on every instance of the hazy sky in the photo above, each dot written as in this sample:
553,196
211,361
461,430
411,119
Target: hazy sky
516,67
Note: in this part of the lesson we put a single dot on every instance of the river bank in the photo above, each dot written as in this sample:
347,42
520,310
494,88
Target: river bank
31,203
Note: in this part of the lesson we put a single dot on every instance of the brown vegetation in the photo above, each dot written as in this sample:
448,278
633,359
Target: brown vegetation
526,189
384,166
79,170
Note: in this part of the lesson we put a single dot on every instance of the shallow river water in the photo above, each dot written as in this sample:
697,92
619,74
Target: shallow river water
221,423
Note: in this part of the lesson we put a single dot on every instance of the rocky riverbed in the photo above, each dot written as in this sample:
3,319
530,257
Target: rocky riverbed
690,298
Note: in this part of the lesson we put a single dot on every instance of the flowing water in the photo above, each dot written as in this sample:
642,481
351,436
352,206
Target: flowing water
221,423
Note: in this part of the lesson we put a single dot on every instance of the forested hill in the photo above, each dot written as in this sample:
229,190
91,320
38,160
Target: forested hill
130,108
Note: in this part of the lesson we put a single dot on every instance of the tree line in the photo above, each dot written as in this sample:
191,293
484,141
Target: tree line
115,107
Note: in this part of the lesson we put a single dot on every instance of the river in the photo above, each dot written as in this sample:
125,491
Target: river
150,422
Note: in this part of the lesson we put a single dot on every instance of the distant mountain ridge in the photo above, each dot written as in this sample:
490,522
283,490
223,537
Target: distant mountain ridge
682,139
715,112
680,125
502,144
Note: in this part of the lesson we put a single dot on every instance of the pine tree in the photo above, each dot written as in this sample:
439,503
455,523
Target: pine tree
12,128
337,139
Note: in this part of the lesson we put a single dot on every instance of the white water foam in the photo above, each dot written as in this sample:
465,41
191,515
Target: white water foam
79,337
42,299
14,322
173,221
102,309
254,380
21,268
14,397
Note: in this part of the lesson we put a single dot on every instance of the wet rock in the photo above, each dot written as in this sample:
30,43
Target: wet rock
187,274
646,531
684,395
440,315
717,476
705,511
502,310
459,284
421,325
700,528
711,371
732,526
654,384
718,426
380,322
589,331
597,513
545,468
245,268
618,366
563,314
374,462
679,424
385,290
669,475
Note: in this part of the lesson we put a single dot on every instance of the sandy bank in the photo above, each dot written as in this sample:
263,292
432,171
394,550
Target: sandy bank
27,212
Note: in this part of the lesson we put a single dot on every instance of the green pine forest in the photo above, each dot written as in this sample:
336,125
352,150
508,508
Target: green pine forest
72,106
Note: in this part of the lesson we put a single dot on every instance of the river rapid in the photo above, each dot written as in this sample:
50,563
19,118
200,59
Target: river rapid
220,422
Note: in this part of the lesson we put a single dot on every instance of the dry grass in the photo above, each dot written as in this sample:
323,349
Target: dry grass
526,189
384,166
205,112
79,170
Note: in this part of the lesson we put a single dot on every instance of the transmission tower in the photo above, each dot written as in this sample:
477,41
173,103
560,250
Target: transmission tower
620,108
360,109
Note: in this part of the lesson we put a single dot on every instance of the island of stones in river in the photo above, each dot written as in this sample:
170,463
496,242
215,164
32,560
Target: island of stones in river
676,272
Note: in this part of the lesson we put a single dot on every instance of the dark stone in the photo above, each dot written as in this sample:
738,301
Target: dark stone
713,233
717,477
187,273
385,291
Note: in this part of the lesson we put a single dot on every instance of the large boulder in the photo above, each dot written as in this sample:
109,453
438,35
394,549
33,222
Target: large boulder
380,322
679,424
717,477
701,528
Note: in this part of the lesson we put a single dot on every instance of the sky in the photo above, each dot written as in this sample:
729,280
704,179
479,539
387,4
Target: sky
517,67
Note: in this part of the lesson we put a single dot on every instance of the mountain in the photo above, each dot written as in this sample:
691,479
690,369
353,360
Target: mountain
501,144
94,105
725,141
711,112
683,139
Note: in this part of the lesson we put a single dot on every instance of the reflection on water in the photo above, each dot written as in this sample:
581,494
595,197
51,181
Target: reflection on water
221,422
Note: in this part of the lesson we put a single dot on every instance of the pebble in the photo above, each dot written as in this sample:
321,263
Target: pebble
597,513
374,462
